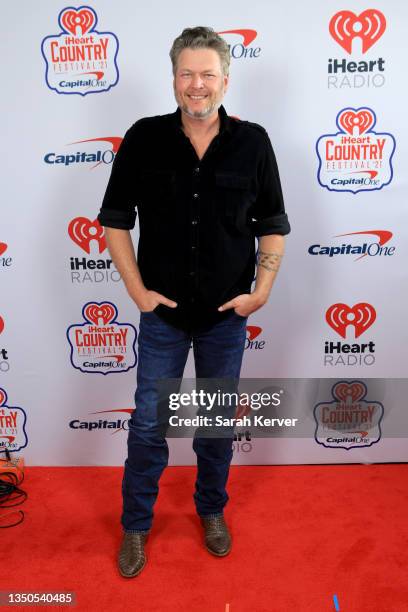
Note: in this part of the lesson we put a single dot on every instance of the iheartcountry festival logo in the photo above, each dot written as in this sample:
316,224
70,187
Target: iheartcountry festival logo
80,60
344,319
114,421
253,342
101,345
356,158
89,236
239,43
13,420
5,260
102,150
362,246
4,359
348,420
356,34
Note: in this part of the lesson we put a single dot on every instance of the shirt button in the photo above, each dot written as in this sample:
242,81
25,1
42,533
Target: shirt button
197,170
193,248
194,222
195,195
192,273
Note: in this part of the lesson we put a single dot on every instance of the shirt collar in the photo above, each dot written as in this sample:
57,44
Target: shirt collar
225,121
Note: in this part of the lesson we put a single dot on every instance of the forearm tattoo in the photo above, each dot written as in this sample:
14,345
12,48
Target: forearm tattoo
269,261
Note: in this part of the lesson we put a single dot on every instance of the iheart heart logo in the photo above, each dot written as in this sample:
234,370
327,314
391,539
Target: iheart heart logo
78,21
361,316
3,248
369,26
360,121
1,325
95,312
349,391
82,230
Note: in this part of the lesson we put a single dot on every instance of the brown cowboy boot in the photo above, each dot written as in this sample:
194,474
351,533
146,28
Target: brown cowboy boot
217,536
132,558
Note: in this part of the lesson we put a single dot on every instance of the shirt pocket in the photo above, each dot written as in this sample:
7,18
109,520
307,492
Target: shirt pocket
233,200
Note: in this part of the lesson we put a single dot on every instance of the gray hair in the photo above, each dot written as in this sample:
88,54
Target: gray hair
201,38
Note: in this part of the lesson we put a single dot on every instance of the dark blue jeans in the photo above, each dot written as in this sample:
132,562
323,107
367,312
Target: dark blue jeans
163,352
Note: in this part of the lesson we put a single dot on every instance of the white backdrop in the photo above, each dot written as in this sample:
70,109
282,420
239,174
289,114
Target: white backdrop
75,78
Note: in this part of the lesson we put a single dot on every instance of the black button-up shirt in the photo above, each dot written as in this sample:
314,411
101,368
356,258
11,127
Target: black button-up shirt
198,219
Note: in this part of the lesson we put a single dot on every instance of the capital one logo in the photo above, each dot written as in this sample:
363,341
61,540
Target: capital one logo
363,249
95,154
241,49
5,261
116,424
360,316
82,230
369,26
251,342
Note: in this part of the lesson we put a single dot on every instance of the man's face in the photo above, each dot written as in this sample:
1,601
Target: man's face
199,84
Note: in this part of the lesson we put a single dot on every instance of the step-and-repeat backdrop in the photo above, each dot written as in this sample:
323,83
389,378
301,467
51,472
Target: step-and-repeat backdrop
328,82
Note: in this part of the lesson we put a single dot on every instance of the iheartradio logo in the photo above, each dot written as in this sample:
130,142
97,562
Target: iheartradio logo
89,236
356,34
82,230
360,316
4,364
346,26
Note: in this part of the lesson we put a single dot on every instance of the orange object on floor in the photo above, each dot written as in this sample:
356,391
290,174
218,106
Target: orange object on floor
15,466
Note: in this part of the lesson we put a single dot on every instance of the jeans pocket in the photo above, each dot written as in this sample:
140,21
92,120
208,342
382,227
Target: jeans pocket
147,313
240,316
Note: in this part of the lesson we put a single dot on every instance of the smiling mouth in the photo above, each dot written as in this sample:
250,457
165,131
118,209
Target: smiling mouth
197,97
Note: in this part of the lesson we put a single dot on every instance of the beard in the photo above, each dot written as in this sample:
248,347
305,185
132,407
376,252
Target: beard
212,106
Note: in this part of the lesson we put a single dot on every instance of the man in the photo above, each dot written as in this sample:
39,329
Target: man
205,185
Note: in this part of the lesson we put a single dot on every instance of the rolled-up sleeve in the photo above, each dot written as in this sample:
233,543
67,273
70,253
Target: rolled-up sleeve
268,214
119,202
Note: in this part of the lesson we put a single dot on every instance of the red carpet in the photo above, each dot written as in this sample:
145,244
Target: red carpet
302,534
